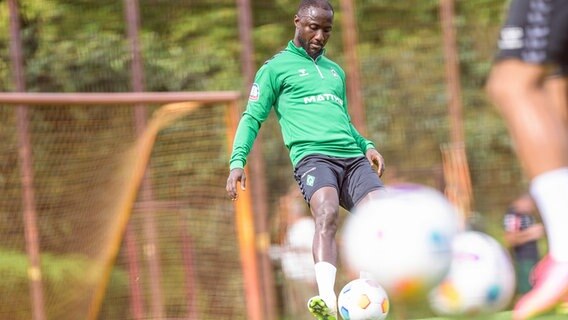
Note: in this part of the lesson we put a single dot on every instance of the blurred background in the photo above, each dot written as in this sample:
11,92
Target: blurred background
73,246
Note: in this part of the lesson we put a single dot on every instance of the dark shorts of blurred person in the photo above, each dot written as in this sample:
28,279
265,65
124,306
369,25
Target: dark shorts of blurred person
536,31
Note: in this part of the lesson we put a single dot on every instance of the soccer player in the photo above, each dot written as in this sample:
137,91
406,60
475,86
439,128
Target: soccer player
532,43
333,163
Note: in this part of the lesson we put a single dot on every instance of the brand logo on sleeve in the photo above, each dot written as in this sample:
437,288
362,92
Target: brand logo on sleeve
254,92
334,73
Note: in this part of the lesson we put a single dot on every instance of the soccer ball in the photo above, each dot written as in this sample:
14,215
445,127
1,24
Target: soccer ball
363,299
481,278
402,240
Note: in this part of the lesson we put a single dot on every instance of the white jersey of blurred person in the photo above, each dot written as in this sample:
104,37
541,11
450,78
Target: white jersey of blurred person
295,254
297,258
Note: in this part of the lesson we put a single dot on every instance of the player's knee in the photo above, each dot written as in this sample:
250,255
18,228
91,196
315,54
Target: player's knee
326,217
513,78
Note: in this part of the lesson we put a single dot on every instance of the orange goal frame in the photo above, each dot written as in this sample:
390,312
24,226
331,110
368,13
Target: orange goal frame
243,207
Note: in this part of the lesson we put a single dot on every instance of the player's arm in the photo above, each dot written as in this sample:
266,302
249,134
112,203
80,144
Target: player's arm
371,153
261,99
532,233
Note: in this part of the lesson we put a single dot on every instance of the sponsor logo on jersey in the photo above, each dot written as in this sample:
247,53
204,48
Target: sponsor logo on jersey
323,97
254,92
303,72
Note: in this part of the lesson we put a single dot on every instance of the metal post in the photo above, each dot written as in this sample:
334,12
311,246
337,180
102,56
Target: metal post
188,255
456,168
350,41
131,254
246,234
146,193
257,168
26,168
452,71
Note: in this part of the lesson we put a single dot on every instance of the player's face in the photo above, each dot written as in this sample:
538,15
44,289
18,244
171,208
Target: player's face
313,28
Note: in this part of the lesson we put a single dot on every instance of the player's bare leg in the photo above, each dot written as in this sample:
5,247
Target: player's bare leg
541,142
324,205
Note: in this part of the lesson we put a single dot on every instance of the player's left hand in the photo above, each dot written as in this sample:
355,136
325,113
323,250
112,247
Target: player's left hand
235,176
376,160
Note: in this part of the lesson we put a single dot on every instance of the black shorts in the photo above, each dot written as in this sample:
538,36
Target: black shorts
353,178
536,31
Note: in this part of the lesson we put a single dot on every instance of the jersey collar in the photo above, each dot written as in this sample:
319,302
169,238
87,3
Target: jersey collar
299,50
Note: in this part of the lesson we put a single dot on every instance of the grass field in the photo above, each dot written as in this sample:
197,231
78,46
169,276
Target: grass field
506,315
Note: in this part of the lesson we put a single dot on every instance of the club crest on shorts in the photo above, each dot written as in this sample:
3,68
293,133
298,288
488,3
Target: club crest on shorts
254,92
310,180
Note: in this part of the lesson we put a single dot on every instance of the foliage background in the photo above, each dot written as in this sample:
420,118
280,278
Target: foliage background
80,46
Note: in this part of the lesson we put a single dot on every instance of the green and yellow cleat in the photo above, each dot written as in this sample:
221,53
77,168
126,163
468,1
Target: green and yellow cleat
319,309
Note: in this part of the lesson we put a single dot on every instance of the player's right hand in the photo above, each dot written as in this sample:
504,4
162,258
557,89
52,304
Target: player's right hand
236,175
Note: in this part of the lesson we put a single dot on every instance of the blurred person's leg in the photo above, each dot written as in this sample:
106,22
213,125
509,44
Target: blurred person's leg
534,35
557,87
517,89
541,143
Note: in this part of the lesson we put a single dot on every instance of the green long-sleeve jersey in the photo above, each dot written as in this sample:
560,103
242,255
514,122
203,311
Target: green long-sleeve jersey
309,99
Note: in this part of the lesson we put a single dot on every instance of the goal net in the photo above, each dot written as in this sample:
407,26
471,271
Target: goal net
114,243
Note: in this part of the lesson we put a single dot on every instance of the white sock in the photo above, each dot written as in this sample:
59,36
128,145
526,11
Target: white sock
325,278
550,192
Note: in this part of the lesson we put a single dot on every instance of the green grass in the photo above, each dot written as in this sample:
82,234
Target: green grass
506,315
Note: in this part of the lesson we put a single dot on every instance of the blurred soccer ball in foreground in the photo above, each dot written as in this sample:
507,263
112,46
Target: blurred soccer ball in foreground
481,278
363,299
402,240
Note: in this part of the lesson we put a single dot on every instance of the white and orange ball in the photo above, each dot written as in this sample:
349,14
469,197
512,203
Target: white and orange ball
363,299
481,278
402,240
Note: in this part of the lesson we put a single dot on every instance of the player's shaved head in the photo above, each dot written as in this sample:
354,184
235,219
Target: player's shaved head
306,4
